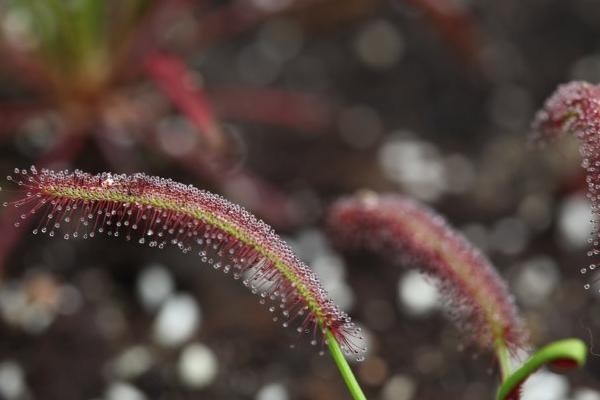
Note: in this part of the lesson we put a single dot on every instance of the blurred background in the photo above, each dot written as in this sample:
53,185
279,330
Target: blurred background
283,106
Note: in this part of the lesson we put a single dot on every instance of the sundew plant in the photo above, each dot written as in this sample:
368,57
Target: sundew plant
384,145
160,212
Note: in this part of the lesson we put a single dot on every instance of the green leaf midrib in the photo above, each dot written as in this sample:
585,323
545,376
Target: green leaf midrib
196,212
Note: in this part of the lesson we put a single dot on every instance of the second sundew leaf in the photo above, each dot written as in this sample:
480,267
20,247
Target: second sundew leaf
414,235
160,212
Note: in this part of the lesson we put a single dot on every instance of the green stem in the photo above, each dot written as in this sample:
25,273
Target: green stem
569,353
342,364
503,359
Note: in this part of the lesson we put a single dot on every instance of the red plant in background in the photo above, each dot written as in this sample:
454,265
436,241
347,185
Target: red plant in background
456,25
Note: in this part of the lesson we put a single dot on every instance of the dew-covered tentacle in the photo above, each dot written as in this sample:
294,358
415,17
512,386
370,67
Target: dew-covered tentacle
416,235
574,108
158,212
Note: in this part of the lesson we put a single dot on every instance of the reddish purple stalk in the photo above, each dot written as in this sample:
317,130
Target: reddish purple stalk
415,235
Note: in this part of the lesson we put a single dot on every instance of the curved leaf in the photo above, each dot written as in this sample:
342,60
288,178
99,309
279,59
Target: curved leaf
564,354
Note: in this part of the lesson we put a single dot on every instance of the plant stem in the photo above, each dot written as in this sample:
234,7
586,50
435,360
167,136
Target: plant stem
569,353
345,371
503,359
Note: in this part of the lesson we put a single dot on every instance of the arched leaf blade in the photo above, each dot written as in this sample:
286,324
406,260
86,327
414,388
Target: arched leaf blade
564,354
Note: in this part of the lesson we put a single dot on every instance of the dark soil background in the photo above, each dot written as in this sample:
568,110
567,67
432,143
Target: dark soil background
435,106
